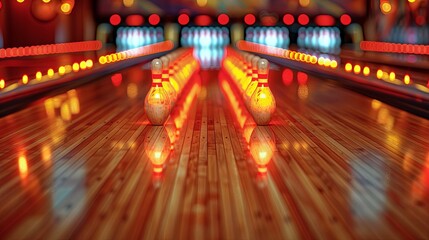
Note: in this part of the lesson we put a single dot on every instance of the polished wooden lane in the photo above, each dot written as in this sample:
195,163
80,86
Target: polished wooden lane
332,165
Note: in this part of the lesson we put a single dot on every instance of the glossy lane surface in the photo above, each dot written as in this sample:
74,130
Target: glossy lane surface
86,164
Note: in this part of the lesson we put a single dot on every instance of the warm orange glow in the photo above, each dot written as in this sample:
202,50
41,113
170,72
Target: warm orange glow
50,72
366,71
407,79
23,166
82,65
2,84
128,3
65,8
379,73
75,67
46,1
89,63
20,1
357,69
304,3
348,67
411,1
392,76
386,7
202,3
62,70
39,75
334,64
25,79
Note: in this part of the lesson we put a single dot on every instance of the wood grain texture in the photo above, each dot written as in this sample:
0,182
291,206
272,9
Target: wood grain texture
86,164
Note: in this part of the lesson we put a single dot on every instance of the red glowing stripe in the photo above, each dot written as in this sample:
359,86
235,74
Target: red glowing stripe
324,20
373,46
134,20
203,20
50,49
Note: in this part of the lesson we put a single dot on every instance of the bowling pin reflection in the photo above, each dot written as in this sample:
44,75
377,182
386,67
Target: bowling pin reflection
157,148
262,146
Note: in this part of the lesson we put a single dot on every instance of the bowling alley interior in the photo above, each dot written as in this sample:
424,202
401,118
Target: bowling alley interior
214,119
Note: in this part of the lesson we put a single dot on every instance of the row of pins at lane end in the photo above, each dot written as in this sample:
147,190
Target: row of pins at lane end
170,74
250,76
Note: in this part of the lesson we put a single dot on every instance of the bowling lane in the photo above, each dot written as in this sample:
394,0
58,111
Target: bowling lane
86,164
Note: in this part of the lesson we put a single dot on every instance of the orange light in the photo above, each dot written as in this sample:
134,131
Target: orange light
23,166
366,71
379,73
102,60
62,70
82,65
50,72
386,7
356,69
46,1
20,1
39,75
65,8
407,79
348,67
2,84
304,3
89,63
25,79
75,67
334,64
392,76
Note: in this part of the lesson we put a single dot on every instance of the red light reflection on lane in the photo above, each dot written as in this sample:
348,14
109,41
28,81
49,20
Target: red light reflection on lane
116,79
287,76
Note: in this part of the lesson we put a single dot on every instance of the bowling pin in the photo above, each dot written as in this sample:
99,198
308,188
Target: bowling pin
254,83
157,102
166,82
262,103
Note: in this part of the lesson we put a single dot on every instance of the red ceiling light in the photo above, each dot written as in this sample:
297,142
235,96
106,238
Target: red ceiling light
115,19
249,19
154,19
324,20
303,19
134,20
345,19
203,20
183,19
223,19
288,19
1,5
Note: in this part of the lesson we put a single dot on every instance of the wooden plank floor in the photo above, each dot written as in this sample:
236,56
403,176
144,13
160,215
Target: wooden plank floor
82,165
